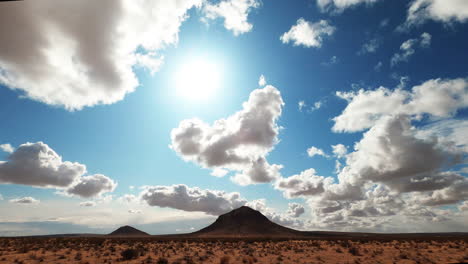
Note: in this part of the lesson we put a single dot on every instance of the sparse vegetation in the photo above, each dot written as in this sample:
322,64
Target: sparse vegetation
84,250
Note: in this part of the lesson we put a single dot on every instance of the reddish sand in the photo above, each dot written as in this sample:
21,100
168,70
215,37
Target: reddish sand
149,250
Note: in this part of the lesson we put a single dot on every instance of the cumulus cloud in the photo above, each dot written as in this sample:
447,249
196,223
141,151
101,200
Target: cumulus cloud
397,171
339,150
88,204
340,5
307,183
437,10
284,219
93,185
439,98
78,61
238,143
308,34
194,199
38,165
295,209
7,148
25,200
234,12
132,211
314,151
407,48
390,152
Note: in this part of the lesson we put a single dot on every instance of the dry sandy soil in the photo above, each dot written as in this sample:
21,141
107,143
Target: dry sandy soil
146,250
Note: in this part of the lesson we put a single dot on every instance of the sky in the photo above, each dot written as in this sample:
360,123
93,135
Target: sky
343,115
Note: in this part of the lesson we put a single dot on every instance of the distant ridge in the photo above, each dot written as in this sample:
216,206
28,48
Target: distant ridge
245,222
128,231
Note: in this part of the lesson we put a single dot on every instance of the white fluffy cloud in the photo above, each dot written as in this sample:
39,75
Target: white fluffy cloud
397,171
437,10
37,165
7,148
391,153
407,48
339,150
438,98
234,12
238,143
25,200
314,151
189,199
73,61
340,5
280,218
308,34
307,183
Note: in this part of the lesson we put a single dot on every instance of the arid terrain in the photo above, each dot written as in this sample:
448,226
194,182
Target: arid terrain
149,250
240,236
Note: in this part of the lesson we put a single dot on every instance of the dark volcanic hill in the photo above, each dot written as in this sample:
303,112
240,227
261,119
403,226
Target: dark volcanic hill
245,222
128,231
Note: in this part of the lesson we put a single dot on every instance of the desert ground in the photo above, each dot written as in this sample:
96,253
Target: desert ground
92,250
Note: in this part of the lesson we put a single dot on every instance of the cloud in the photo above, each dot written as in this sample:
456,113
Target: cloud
313,151
37,165
131,211
7,148
78,61
308,34
234,12
341,5
189,199
339,150
88,204
90,186
262,81
391,153
438,98
448,130
307,183
238,143
25,200
396,172
407,48
295,209
279,218
370,47
420,11
301,105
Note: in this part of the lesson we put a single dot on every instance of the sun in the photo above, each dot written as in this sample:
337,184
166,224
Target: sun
198,79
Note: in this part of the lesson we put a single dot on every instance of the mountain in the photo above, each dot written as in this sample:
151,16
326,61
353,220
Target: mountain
128,231
245,222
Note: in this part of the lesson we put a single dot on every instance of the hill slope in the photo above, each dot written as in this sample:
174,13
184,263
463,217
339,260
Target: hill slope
128,231
245,222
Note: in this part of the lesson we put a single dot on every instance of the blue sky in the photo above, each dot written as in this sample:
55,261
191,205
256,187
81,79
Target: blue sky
122,130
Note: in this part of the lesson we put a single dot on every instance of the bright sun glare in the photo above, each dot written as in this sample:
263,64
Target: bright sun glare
198,79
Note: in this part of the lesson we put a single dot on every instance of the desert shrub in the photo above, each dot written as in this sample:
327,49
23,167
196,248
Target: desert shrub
225,260
129,254
354,251
162,260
